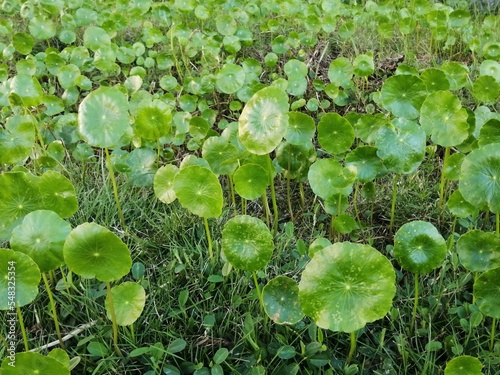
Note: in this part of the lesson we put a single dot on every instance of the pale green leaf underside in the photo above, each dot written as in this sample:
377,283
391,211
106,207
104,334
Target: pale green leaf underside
264,120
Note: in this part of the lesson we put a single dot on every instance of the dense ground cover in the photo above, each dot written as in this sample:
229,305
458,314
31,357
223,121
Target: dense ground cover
246,187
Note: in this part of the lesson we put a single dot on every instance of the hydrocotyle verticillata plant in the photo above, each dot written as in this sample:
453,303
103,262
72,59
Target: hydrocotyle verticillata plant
41,235
198,189
345,286
248,245
103,119
19,279
93,251
262,125
419,248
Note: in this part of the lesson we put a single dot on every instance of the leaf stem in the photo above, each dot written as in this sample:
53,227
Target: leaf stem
259,294
266,208
443,180
498,224
415,304
231,188
352,349
273,196
393,204
492,334
289,201
302,195
54,310
113,319
23,329
209,239
115,188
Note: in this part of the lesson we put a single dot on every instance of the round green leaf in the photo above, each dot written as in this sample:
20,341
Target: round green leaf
459,207
443,118
247,243
403,95
435,80
128,301
95,38
250,181
479,251
480,177
486,89
281,300
419,247
23,43
401,145
29,363
58,194
489,133
368,165
490,68
457,74
297,86
335,133
92,250
198,190
41,235
491,50
327,174
67,75
164,183
487,293
226,25
264,120
153,120
463,365
318,244
452,165
340,72
42,28
295,159
17,139
20,269
28,88
347,285
295,68
19,195
230,78
221,155
301,128
103,117
363,65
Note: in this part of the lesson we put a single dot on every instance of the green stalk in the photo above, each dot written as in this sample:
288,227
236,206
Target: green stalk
23,329
259,294
174,56
352,349
243,206
266,208
289,201
498,224
443,181
115,188
492,334
415,304
231,188
393,205
209,239
302,195
273,197
355,203
53,308
132,334
113,320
